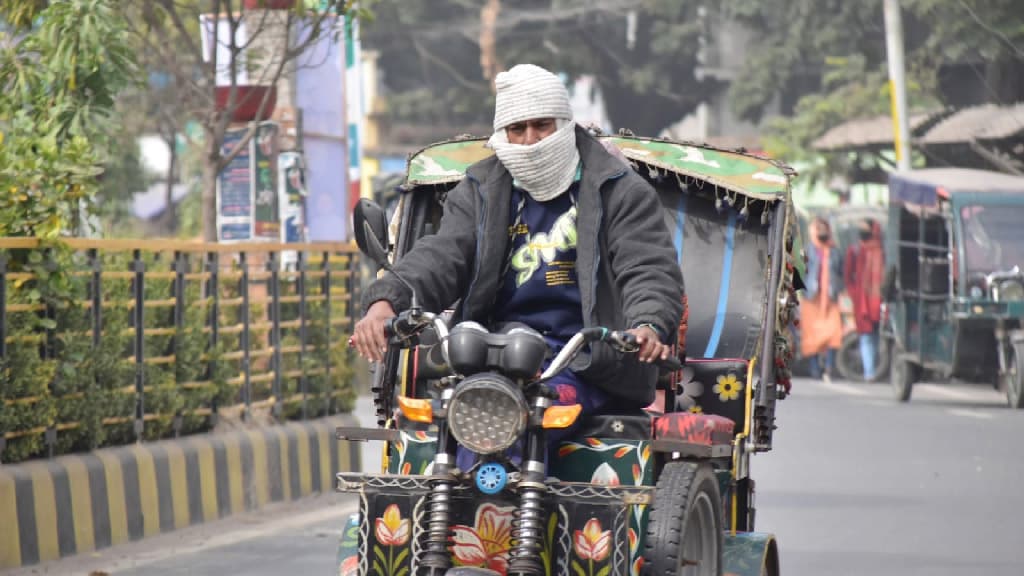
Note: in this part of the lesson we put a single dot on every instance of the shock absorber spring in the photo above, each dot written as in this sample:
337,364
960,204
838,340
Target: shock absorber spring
528,532
438,520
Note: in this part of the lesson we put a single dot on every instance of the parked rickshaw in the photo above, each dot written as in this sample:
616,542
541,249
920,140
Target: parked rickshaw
955,290
666,490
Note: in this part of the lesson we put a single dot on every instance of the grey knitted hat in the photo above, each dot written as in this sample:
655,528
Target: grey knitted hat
525,92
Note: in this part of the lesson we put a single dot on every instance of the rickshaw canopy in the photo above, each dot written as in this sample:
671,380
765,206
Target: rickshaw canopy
736,171
924,187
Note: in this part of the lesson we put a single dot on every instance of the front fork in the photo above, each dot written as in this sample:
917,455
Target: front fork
528,530
436,558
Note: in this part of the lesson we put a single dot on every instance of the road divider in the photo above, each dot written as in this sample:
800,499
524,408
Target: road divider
85,502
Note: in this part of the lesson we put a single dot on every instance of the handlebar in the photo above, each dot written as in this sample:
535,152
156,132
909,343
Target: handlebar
620,340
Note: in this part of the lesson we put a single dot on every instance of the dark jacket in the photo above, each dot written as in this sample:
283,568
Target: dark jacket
631,278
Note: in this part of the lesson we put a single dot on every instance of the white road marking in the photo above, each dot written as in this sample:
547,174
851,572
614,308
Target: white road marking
847,389
970,413
947,392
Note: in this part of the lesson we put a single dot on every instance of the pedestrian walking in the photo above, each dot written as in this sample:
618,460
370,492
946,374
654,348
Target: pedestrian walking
821,327
863,271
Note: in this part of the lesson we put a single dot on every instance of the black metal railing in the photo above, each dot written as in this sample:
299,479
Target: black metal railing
112,341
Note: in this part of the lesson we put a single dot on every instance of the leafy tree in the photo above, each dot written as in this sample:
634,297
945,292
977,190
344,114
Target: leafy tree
643,53
58,84
827,59
168,31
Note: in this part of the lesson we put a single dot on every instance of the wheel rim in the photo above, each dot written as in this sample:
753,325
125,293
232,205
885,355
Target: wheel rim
700,539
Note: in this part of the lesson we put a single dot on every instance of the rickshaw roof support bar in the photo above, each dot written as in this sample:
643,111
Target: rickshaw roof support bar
767,393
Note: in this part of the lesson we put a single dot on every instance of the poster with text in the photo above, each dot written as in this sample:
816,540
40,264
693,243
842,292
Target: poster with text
235,191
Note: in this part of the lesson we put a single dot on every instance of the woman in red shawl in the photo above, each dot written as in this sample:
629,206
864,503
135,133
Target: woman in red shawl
862,275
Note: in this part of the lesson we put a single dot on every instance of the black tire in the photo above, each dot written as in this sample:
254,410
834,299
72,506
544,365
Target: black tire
1014,377
849,365
902,374
685,523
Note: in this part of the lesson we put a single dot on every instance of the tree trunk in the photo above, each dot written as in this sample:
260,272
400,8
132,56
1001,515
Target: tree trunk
210,190
488,57
169,219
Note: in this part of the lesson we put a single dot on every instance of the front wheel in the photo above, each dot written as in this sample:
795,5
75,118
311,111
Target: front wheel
902,373
1014,377
850,364
685,533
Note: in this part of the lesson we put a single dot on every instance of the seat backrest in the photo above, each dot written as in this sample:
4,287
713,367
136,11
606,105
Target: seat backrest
723,388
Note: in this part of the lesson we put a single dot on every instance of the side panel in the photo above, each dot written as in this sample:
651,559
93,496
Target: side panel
586,529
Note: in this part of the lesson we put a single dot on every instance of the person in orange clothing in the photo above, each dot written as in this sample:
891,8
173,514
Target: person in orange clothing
821,327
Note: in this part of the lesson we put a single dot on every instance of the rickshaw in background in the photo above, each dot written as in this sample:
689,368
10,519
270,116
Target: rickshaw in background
666,490
844,220
954,291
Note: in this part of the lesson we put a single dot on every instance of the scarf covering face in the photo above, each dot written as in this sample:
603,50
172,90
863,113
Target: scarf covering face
544,169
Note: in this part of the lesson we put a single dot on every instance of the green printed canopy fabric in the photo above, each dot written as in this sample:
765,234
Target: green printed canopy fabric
746,174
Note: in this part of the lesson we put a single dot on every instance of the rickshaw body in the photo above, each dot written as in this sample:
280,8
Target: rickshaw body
736,236
955,292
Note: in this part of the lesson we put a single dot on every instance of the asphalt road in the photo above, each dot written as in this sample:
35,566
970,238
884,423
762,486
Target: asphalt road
857,485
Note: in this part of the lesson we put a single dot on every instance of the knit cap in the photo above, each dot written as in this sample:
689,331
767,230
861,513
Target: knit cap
526,92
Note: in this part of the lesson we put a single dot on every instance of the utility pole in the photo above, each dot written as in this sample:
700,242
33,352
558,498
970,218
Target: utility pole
897,83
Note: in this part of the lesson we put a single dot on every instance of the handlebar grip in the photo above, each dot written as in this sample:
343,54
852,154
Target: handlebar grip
671,364
389,328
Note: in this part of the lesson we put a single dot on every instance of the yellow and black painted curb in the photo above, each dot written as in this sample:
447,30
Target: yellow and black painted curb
81,503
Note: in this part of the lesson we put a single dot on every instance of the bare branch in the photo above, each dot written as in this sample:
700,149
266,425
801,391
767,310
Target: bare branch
424,53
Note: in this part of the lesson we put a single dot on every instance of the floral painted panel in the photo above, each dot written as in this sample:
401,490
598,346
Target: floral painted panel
610,463
413,453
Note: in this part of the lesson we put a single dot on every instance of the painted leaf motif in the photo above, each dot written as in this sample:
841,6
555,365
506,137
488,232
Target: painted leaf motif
623,451
566,449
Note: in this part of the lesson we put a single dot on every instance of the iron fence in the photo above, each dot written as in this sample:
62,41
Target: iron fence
111,341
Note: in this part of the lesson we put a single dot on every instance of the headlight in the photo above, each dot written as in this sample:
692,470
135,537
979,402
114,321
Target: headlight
487,413
1011,291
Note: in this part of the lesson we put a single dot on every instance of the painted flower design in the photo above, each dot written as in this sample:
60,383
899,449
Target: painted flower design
485,544
605,476
350,567
695,410
728,387
592,543
392,529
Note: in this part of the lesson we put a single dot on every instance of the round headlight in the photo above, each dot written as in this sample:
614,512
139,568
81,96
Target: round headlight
1011,291
487,413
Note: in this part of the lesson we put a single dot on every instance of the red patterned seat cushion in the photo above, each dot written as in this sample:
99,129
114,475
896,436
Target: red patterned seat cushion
705,429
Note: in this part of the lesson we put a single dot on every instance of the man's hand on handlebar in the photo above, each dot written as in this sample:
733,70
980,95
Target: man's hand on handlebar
369,339
651,348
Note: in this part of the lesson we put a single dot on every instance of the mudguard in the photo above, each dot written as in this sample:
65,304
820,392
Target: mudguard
750,554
